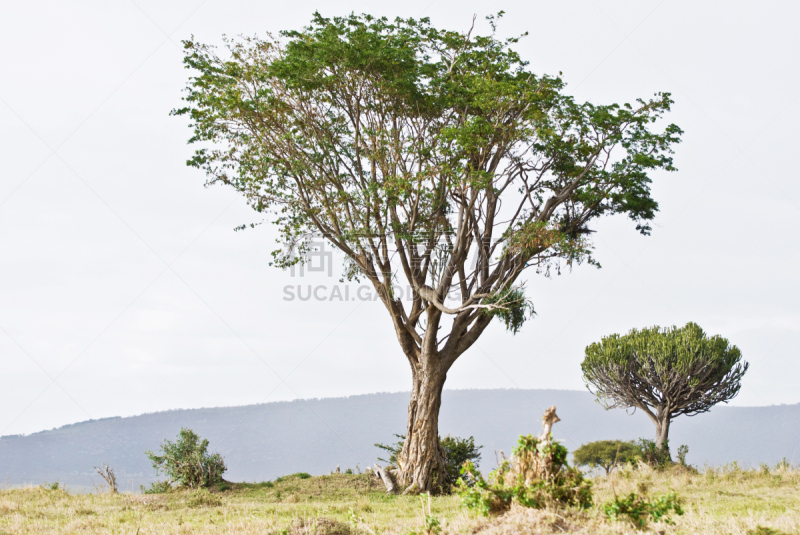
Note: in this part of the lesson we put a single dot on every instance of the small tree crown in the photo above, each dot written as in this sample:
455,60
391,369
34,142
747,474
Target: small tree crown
187,461
606,454
679,370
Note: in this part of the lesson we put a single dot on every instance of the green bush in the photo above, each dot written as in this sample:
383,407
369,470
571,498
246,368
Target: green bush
683,451
639,510
653,455
187,462
606,454
157,487
457,451
519,482
298,475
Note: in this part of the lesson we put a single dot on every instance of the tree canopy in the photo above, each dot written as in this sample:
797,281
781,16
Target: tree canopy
425,154
606,454
664,372
187,461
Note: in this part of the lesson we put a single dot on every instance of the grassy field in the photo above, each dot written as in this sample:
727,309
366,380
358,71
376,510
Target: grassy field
716,501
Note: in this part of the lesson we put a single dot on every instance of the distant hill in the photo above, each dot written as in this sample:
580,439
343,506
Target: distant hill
261,442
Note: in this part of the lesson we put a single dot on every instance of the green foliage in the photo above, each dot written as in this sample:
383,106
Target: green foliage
403,144
357,126
515,308
606,454
664,372
475,492
457,451
639,511
187,461
683,451
157,487
652,455
509,483
392,449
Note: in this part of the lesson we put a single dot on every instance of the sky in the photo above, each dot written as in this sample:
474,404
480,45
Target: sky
124,288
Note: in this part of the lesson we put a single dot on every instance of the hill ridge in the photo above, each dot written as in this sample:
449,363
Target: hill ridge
265,440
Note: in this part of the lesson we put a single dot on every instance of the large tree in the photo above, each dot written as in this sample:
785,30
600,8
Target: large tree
427,155
664,372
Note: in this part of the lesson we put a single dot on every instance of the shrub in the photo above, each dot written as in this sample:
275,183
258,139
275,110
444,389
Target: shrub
639,511
683,451
187,462
606,454
457,451
653,455
157,487
537,475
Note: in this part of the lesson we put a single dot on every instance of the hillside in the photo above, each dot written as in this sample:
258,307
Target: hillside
261,442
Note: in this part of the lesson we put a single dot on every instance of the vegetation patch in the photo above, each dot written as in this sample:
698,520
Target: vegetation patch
639,511
203,498
457,451
298,475
606,454
187,463
536,476
729,500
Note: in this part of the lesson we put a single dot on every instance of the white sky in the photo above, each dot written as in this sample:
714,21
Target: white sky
122,280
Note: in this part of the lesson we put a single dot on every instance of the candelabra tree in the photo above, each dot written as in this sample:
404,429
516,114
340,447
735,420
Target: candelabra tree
664,373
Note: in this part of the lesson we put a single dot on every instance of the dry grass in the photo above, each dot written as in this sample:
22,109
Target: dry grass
727,501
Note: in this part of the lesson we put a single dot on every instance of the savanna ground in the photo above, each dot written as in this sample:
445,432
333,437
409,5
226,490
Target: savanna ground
716,501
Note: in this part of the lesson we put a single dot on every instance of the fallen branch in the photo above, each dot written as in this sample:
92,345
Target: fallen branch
386,478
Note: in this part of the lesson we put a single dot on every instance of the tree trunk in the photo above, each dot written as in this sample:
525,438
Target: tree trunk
662,430
422,460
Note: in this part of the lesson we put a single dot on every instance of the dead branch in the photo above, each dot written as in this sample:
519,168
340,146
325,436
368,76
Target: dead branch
107,473
386,478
